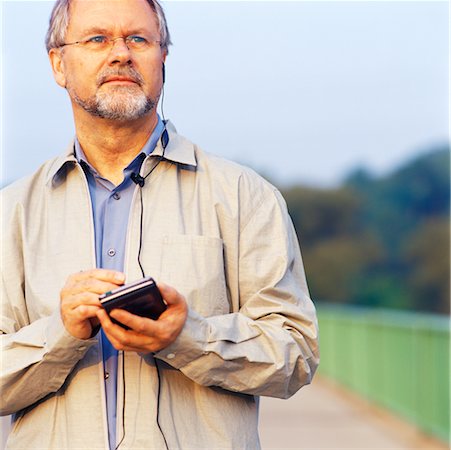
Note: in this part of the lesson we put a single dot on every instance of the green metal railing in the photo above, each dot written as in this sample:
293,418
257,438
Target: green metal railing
398,360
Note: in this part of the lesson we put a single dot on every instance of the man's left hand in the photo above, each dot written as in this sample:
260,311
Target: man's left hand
147,335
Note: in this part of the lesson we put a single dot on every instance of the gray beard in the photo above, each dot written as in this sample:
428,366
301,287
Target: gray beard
122,103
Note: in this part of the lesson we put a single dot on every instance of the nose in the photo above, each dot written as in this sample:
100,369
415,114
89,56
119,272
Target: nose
119,52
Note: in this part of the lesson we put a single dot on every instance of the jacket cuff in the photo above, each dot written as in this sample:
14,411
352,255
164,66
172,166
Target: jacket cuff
189,344
60,344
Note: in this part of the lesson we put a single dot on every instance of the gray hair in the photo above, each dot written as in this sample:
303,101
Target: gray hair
59,21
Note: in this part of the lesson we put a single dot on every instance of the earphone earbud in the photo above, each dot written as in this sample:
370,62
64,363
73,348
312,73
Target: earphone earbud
164,73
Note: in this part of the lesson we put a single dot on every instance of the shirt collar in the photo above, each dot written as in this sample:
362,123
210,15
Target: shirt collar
178,150
147,149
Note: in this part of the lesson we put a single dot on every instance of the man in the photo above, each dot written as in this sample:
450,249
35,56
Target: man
131,197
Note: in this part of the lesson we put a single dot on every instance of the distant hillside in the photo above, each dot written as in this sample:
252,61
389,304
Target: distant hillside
379,241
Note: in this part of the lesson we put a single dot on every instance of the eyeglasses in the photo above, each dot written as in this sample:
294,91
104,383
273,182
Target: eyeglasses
101,43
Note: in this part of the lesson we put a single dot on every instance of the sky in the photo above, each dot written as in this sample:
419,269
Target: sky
304,92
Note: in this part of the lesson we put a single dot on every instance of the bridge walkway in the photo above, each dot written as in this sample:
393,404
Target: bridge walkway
325,416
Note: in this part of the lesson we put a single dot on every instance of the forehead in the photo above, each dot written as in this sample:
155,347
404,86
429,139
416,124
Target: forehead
114,15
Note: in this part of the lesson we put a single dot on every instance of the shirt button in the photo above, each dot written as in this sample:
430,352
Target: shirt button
107,375
116,196
111,252
170,356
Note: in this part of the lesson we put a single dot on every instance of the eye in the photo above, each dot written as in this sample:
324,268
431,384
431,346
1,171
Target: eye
97,40
136,40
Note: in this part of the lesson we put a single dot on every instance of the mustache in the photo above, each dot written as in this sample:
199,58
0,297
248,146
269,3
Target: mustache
128,72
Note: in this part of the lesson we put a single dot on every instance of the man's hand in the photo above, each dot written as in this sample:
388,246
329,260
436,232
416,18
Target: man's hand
80,299
146,335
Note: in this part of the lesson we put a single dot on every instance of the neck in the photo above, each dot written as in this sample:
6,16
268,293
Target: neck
110,146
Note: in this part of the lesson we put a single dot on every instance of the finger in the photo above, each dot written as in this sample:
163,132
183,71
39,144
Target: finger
84,312
103,317
121,339
112,329
134,343
141,325
84,298
148,333
79,317
96,286
88,285
110,276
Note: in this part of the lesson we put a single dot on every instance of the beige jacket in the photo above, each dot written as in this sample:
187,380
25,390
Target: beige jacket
215,231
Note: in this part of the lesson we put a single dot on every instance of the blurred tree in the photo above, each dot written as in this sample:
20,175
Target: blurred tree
379,241
334,266
427,254
394,205
322,214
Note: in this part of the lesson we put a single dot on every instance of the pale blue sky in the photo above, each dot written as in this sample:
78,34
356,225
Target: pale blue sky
302,91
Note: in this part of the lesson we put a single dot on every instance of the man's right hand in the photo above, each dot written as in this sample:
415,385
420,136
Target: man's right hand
80,299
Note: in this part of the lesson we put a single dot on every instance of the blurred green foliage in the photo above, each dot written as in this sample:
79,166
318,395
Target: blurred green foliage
379,241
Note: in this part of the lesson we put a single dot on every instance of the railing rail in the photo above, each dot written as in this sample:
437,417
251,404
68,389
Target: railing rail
399,360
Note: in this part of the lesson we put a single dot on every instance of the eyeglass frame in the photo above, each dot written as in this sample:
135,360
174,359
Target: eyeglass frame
111,41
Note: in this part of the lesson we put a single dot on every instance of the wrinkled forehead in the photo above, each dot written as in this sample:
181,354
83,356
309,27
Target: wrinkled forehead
116,16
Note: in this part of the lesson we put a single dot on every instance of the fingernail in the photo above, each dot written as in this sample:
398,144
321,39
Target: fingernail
119,277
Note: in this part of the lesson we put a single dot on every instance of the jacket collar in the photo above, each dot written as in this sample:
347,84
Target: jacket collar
179,150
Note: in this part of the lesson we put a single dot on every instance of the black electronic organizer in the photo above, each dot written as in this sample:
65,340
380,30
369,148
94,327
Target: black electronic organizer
141,297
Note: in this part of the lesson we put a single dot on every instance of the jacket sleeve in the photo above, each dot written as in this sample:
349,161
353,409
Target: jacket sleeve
36,356
270,346
35,361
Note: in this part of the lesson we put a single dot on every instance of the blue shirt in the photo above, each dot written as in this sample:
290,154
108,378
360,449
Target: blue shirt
111,207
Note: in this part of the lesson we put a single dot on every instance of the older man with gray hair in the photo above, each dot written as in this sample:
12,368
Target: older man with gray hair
130,198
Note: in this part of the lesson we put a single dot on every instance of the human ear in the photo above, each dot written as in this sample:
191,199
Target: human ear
57,64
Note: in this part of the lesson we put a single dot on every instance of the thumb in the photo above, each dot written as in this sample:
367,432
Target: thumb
170,295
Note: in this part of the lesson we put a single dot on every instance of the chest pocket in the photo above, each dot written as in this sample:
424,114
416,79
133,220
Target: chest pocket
194,265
